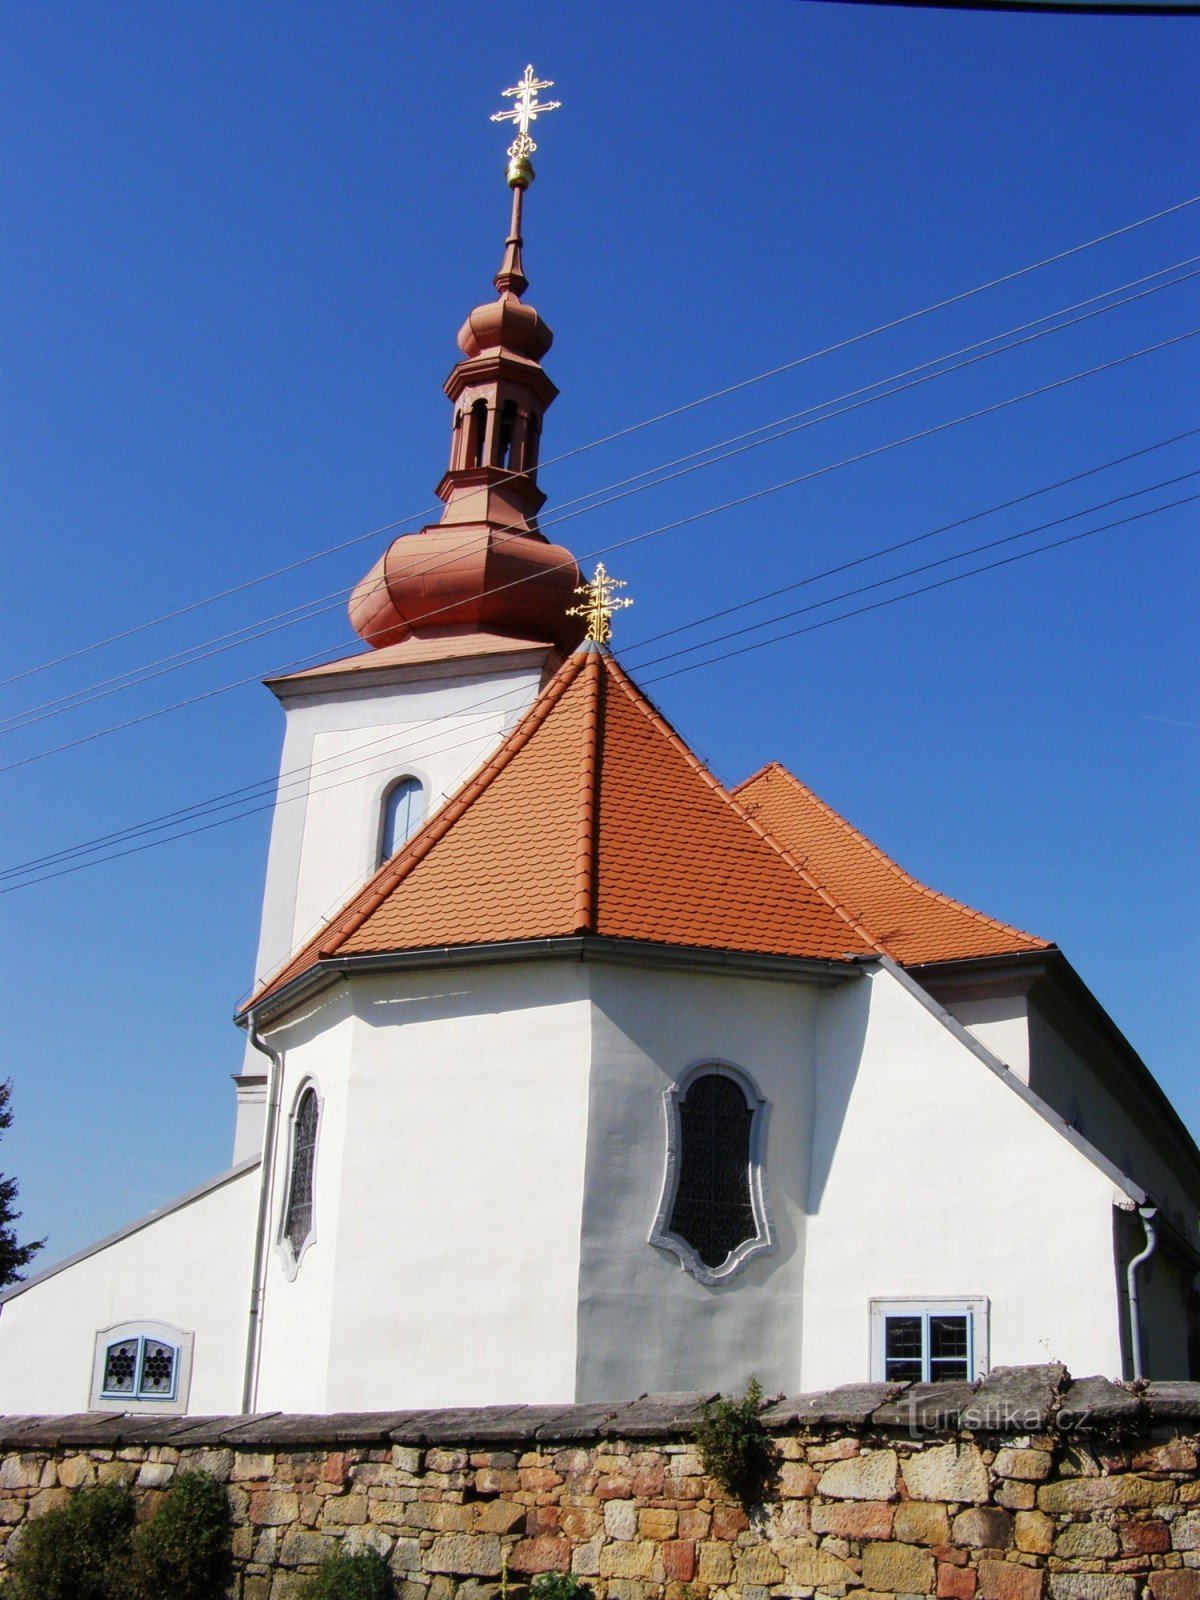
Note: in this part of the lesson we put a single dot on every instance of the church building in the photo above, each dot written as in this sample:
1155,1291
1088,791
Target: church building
604,1078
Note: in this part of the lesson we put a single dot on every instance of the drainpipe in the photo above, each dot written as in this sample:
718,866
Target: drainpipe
257,1282
1147,1214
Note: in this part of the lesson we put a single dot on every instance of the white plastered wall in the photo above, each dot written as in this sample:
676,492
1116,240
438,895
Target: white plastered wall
645,1323
448,1193
190,1267
1001,1023
932,1177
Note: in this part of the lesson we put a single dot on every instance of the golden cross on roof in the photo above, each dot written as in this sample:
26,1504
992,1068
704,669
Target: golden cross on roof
527,109
599,604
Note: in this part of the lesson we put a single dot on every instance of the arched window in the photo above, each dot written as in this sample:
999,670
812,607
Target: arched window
714,1214
298,1214
508,423
477,434
403,808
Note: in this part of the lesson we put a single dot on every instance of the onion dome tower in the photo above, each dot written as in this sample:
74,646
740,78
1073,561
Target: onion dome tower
486,566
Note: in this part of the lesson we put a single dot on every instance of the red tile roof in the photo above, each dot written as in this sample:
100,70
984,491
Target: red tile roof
593,817
911,922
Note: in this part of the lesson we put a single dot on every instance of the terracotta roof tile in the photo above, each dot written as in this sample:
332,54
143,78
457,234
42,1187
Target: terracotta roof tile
912,922
592,817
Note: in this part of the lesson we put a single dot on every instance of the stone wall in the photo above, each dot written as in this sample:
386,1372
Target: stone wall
1028,1487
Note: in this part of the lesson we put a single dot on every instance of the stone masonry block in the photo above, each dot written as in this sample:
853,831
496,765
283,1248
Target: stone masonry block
898,1569
1092,1586
810,1568
1031,1465
856,1519
955,1583
620,1519
1007,1580
1122,1490
1034,1532
1179,1583
1085,1541
983,1528
468,1555
866,1477
922,1522
947,1472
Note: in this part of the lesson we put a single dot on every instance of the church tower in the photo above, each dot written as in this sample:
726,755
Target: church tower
465,619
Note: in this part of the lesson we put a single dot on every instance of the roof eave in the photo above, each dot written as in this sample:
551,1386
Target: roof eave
1048,979
588,947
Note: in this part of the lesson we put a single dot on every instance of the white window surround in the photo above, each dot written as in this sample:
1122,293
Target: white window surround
290,1259
975,1307
180,1341
764,1239
387,787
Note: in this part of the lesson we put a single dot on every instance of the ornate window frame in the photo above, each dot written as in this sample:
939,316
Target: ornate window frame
180,1341
290,1258
764,1240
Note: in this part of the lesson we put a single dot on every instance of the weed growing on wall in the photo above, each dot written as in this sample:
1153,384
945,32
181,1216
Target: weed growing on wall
735,1448
560,1586
90,1548
361,1576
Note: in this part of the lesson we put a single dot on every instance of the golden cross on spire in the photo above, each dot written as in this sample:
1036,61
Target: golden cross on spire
527,109
599,604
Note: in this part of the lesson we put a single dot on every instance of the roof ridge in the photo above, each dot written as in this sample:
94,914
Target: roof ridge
589,798
328,940
648,709
893,865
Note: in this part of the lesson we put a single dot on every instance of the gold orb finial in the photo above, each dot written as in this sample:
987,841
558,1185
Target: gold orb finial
599,604
528,108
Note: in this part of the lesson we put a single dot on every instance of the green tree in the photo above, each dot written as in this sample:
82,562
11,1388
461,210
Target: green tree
13,1256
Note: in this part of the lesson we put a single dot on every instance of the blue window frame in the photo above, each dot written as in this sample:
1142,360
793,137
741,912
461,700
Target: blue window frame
140,1368
403,810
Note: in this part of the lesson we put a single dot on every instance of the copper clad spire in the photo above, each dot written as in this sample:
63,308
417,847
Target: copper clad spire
486,566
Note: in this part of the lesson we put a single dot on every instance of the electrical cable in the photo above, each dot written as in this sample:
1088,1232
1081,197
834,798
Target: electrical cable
694,461
622,433
33,866
637,538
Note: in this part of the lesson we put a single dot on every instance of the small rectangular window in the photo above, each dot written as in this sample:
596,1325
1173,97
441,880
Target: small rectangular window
928,1342
142,1368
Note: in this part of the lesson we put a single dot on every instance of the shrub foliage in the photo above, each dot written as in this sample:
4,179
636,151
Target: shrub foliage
735,1448
560,1586
362,1575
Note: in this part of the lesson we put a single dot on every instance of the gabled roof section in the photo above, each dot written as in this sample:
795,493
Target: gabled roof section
910,921
593,817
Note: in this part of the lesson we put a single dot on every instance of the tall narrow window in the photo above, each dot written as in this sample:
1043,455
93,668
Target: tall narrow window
531,442
298,1217
508,423
403,808
714,1214
475,439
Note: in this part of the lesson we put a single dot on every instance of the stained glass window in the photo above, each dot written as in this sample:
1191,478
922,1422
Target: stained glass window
713,1210
403,808
140,1369
298,1221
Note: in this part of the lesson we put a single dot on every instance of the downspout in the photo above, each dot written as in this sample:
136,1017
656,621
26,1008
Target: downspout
1147,1214
257,1282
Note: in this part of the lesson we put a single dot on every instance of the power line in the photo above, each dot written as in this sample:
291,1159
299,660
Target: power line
768,433
294,775
622,433
619,544
69,855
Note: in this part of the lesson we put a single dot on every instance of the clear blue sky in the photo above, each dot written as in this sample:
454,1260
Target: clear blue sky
239,240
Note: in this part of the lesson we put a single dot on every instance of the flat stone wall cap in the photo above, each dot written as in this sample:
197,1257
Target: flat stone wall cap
851,1405
568,1424
654,1416
460,1425
1172,1398
14,1428
218,1430
77,1430
926,1405
336,1427
1018,1399
1097,1402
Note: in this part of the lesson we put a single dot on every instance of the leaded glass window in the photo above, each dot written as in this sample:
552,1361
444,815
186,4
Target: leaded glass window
713,1210
299,1216
403,810
140,1369
922,1344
